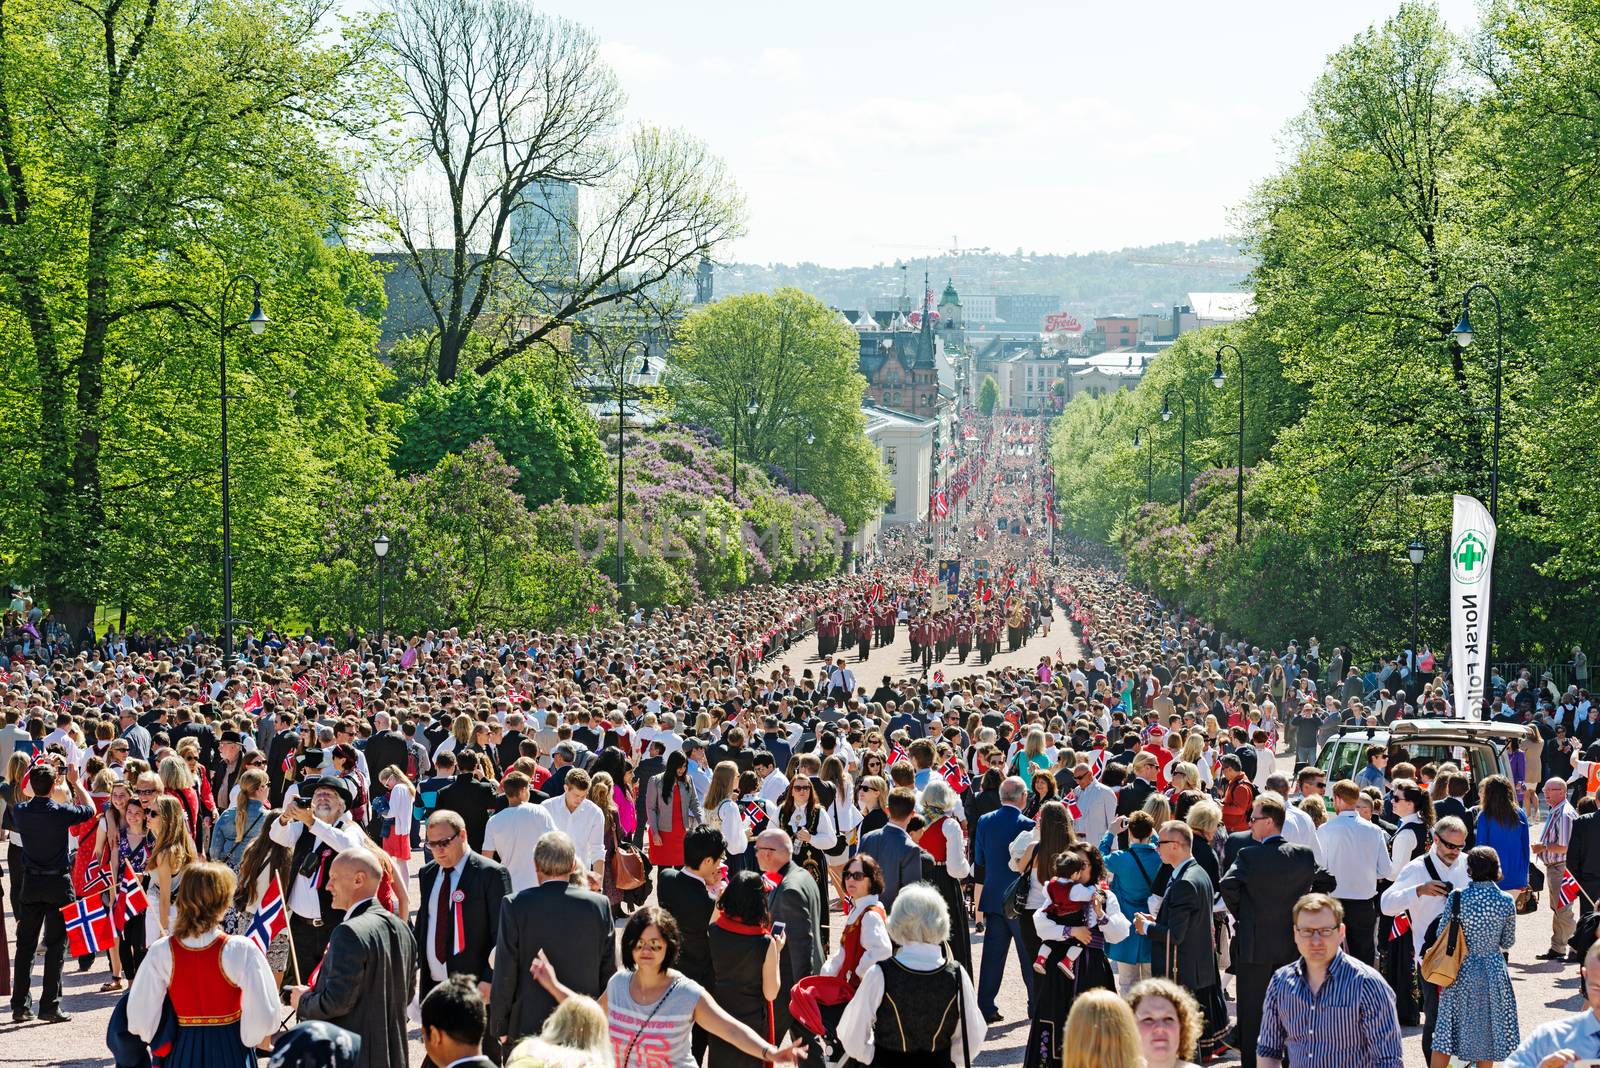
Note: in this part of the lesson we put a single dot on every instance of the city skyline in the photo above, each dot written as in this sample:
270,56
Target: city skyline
866,134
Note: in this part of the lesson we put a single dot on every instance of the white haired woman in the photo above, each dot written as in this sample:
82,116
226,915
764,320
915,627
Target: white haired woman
943,841
925,1002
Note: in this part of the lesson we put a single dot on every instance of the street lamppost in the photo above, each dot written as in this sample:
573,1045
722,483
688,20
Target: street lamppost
380,549
257,322
1218,379
1183,443
622,447
1463,333
1416,550
1149,460
751,410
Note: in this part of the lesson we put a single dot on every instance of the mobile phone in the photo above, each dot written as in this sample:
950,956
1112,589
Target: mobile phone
778,928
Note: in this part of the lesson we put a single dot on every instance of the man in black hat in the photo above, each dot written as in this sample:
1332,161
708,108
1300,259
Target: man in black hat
317,831
230,766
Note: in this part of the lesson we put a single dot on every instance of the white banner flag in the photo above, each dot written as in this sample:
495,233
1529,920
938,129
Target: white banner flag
1471,563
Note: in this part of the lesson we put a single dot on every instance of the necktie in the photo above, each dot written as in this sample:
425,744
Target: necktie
443,921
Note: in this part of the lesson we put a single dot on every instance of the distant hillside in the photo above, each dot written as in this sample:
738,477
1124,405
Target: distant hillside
1095,283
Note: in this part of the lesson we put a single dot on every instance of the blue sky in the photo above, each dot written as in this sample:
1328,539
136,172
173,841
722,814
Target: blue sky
862,131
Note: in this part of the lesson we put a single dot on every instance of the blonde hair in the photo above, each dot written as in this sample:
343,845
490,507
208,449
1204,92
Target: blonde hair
1204,816
461,730
576,1035
601,788
174,774
1183,1003
1100,1031
173,837
1159,807
724,784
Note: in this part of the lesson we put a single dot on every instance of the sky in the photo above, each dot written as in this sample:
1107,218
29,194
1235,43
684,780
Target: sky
861,132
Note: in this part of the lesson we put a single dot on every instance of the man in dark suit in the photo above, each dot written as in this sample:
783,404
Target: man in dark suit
453,1021
775,741
473,799
992,864
572,927
457,886
797,903
891,846
1182,947
907,720
1260,889
386,747
369,973
686,893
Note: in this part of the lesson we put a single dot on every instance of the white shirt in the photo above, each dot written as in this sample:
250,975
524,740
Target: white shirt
511,835
731,823
823,838
243,964
75,754
774,786
436,967
1299,829
400,808
1357,855
1098,804
875,943
955,850
855,1028
1403,896
303,899
586,827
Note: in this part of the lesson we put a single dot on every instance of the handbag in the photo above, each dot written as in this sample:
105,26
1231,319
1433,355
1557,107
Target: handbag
1441,962
1016,903
627,868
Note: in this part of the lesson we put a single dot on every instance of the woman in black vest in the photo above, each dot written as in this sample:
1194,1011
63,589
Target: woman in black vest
744,957
919,1007
1414,809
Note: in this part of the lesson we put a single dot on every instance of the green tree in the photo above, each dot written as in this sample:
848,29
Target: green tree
536,422
988,395
146,152
779,369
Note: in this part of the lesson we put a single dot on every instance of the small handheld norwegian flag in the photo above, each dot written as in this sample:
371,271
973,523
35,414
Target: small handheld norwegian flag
131,900
896,754
1568,891
955,775
1072,806
1402,926
88,927
270,917
96,879
254,702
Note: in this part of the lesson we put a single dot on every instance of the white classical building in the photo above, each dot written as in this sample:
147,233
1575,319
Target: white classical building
905,444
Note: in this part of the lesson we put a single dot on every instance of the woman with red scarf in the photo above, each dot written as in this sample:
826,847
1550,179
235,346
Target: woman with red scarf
744,955
817,1001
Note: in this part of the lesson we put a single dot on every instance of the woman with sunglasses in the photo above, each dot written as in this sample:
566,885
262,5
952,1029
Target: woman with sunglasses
1414,809
809,824
818,1001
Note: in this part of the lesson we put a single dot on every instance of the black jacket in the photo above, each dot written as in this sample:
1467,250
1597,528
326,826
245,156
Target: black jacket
483,885
1583,853
1261,889
686,898
384,749
574,929
1181,944
367,978
474,801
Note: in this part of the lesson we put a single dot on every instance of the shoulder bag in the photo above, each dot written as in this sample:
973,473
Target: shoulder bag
1442,960
627,865
1016,903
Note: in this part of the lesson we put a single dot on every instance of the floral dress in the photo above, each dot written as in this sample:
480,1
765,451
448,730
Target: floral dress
1478,1012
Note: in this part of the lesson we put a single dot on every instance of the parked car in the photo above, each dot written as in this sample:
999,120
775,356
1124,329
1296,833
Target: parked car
1477,746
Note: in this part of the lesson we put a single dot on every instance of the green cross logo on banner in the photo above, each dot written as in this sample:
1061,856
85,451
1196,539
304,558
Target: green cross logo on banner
1469,555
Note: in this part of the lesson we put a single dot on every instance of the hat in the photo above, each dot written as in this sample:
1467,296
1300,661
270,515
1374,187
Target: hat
316,1044
334,783
232,736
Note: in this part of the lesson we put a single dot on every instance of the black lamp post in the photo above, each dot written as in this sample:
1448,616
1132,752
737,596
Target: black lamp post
1218,379
622,446
1183,443
1463,333
1416,550
751,410
380,549
1149,461
257,322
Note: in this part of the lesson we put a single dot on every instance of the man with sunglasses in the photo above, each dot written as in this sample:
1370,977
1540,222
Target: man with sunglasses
1421,892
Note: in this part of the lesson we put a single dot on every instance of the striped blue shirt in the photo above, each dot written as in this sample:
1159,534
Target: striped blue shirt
1349,1023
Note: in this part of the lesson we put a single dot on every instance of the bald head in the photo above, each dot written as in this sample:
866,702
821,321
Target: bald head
353,877
773,849
1555,791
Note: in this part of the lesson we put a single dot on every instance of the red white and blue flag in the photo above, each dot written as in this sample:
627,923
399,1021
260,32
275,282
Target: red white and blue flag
1072,806
131,899
88,927
1402,926
955,775
254,702
897,753
270,917
96,878
1568,891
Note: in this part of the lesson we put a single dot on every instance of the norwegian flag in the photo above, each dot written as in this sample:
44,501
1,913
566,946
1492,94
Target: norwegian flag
270,917
96,878
938,677
755,816
345,669
131,899
1402,926
1072,806
88,927
941,504
896,754
301,686
1097,762
254,702
1568,891
955,775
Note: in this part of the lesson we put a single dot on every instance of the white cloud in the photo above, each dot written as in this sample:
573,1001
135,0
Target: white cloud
635,64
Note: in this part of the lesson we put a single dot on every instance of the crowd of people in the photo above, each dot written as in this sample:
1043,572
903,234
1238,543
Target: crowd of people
337,839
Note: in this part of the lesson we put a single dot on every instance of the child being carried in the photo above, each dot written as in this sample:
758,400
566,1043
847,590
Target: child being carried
1071,895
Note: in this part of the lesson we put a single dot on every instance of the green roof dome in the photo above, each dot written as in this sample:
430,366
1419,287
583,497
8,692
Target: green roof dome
950,294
